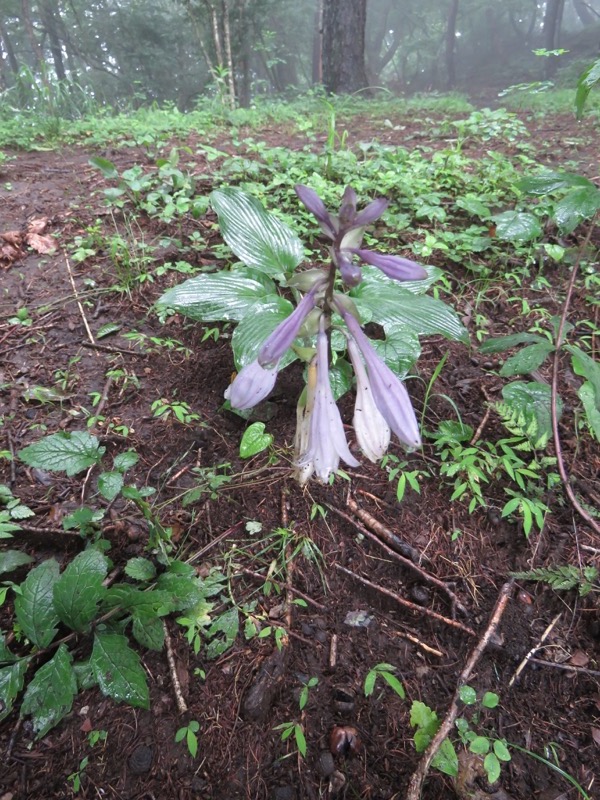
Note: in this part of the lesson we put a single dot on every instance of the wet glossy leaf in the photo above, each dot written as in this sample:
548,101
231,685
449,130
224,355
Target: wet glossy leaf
255,440
79,589
68,452
527,359
480,745
222,633
49,696
110,484
118,670
468,695
501,750
254,328
575,207
106,167
517,226
446,759
11,560
140,569
34,606
11,683
506,342
492,767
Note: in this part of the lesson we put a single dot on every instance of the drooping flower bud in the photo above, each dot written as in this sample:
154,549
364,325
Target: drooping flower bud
251,385
371,429
281,339
396,267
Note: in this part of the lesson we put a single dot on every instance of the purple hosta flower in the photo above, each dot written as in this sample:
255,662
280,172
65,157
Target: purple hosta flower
284,334
371,429
251,385
391,398
346,230
321,435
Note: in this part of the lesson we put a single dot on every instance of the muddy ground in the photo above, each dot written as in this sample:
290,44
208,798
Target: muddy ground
552,708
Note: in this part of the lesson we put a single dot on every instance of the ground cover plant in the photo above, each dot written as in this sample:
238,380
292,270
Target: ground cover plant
198,598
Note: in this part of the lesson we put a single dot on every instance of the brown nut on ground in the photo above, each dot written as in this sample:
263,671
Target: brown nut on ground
344,740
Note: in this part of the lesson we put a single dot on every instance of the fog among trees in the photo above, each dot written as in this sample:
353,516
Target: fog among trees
124,52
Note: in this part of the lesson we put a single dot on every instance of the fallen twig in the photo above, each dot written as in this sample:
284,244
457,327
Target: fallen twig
79,305
406,603
569,667
181,704
534,649
416,781
390,538
259,577
407,562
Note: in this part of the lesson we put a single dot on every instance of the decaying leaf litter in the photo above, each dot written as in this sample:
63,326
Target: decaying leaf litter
392,586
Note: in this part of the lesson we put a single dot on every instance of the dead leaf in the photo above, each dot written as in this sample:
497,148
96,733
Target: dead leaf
579,659
12,237
86,725
41,244
596,735
37,225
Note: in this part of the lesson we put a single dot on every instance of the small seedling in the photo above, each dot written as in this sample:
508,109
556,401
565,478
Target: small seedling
188,732
303,699
75,777
289,728
385,672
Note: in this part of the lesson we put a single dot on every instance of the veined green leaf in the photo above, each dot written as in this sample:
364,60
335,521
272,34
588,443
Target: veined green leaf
527,359
254,328
550,181
258,238
11,560
588,368
11,683
49,696
254,440
106,167
140,569
68,452
34,605
575,207
118,670
517,226
506,342
79,589
110,484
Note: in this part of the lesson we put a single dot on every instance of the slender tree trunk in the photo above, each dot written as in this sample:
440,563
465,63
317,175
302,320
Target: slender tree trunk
244,91
344,24
36,50
8,48
317,44
451,44
48,19
552,23
585,12
228,53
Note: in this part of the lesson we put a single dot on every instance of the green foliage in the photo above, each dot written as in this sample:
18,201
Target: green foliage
295,728
254,440
68,452
563,578
189,733
587,80
386,673
11,511
426,724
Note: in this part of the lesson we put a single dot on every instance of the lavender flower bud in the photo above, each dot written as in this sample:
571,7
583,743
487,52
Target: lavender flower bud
371,429
400,269
313,203
250,386
371,212
284,334
350,272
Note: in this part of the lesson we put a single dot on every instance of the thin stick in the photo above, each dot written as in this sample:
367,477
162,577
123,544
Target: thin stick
406,603
554,395
259,577
484,421
181,704
418,777
534,649
79,305
386,534
393,554
567,667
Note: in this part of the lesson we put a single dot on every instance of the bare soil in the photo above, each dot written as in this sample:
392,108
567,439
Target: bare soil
552,709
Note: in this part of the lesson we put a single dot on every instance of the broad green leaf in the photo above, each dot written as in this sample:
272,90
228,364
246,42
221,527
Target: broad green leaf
79,589
255,440
373,275
392,307
588,78
300,739
492,767
588,368
222,296
421,716
34,605
106,167
125,461
258,238
517,226
6,657
222,633
140,569
148,631
341,376
11,560
501,750
473,205
577,206
590,404
446,759
254,328
49,696
527,359
370,682
110,484
131,598
506,342
11,683
468,695
118,670
107,330
480,745
183,592
400,349
529,404
550,181
68,452
490,700
84,675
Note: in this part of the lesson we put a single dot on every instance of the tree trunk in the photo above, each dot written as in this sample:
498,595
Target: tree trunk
585,12
552,23
36,50
8,48
49,22
317,44
344,24
451,44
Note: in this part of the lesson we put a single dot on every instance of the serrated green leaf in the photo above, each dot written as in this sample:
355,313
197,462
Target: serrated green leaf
49,696
34,605
225,627
11,683
21,512
148,631
79,589
110,484
506,342
258,238
106,167
255,440
125,461
392,306
527,359
64,452
140,569
517,226
107,330
423,717
222,296
473,205
254,328
577,206
11,560
492,767
84,675
446,759
118,670
183,592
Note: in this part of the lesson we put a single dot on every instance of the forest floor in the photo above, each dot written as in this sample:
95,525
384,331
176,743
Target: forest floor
462,559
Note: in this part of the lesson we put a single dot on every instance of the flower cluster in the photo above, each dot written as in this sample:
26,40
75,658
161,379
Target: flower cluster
382,403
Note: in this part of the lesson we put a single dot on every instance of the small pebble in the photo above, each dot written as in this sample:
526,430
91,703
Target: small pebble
419,595
140,760
326,764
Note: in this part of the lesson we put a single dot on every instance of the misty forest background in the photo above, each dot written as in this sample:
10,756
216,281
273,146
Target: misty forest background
128,53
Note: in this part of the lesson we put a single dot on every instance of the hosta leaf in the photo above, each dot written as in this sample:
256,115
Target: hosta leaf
258,238
550,181
254,440
588,78
110,484
517,226
576,206
34,606
118,670
79,589
587,367
140,569
11,683
392,306
254,328
49,696
223,296
527,359
11,560
68,452
400,349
